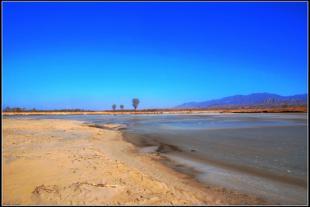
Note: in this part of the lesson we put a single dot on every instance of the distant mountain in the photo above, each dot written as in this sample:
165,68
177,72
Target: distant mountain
255,99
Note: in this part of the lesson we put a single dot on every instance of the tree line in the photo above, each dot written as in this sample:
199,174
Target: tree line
135,104
19,109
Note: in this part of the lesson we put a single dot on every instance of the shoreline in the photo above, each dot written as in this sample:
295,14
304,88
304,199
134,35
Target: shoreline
158,146
164,149
193,164
79,156
301,109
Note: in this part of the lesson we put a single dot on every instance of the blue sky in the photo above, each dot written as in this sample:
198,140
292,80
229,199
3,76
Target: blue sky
92,55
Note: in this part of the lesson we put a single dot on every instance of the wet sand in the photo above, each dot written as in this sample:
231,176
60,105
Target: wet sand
264,166
67,162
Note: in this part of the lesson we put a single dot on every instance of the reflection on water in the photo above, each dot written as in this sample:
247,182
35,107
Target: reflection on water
256,148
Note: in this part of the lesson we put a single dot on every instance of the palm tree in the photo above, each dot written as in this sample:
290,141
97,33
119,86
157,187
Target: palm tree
121,106
114,107
135,103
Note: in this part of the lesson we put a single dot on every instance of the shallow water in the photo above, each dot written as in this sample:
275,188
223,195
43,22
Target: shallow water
262,154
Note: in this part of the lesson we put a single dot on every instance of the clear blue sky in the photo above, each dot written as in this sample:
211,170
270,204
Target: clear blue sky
91,55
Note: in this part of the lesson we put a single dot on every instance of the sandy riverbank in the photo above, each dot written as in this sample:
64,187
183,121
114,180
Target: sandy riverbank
68,162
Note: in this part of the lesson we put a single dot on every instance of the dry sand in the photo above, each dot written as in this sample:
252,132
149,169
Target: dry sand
67,162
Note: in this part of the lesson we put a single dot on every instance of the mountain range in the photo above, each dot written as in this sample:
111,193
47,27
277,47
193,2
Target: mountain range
255,99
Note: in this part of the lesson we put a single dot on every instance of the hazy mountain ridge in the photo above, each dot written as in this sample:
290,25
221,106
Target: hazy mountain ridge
255,99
